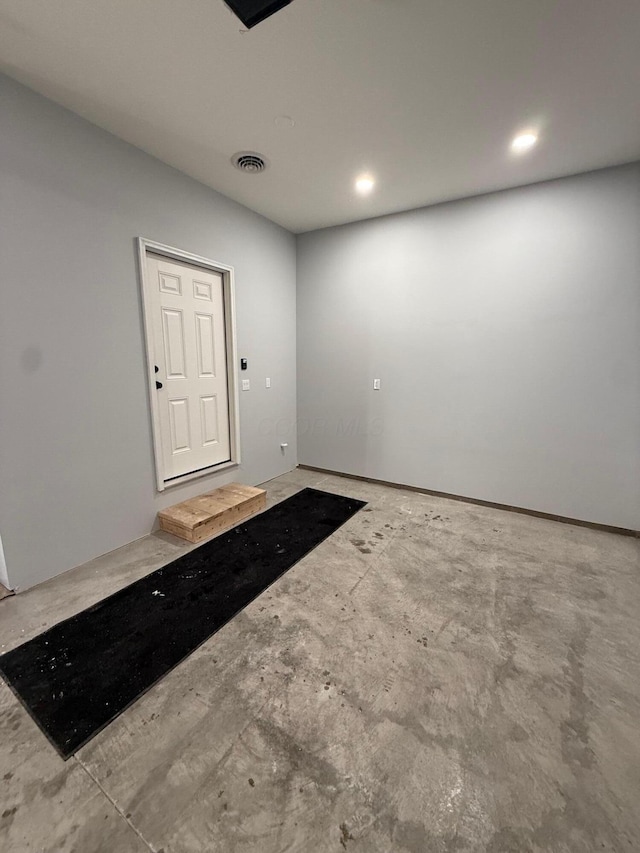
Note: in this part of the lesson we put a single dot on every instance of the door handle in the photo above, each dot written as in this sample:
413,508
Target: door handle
158,385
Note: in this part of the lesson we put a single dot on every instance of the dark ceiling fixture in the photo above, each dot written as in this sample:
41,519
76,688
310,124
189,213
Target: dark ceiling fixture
251,12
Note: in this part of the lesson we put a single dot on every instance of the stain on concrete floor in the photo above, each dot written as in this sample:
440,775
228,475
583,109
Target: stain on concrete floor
469,681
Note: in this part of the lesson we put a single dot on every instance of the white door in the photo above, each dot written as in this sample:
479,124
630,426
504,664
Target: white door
187,318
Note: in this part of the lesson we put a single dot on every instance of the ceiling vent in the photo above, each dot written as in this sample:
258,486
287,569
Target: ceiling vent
250,162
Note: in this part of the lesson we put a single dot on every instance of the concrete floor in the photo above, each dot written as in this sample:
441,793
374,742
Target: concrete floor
434,677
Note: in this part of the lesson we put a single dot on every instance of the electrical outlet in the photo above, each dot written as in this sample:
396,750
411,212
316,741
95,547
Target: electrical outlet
246,384
376,384
267,383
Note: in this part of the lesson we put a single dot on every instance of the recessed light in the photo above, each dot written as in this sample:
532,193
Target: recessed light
523,142
364,184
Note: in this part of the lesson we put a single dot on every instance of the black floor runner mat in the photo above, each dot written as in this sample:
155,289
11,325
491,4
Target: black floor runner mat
83,672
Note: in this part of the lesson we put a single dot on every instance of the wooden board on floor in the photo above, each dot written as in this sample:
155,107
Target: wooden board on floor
204,516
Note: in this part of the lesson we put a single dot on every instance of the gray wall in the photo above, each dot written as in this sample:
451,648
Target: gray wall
4,575
76,463
506,332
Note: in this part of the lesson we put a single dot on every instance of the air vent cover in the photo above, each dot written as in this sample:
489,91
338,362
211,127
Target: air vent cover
249,161
251,12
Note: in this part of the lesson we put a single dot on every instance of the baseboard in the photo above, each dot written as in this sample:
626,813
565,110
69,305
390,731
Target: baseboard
4,592
562,519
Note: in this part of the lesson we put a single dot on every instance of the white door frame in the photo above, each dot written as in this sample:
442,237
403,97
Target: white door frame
228,290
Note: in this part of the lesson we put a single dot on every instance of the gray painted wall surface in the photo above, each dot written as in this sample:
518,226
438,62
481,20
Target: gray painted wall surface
506,333
76,459
4,575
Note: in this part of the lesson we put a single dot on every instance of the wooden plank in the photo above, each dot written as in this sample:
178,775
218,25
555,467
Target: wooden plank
202,508
202,517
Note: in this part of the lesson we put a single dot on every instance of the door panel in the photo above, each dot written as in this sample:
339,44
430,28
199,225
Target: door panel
209,419
202,290
170,284
204,346
179,422
173,339
190,352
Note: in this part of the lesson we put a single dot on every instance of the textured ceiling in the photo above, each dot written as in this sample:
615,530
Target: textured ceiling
424,95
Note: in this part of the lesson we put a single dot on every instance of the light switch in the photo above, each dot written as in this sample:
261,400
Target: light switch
376,384
267,383
246,384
